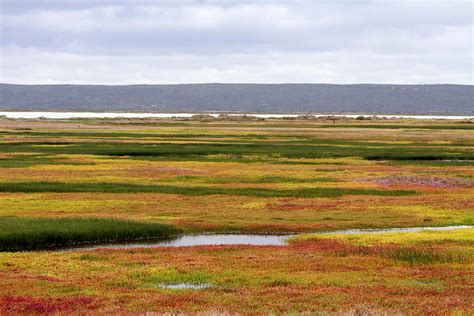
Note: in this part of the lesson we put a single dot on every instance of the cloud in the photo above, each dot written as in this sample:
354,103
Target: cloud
237,41
341,67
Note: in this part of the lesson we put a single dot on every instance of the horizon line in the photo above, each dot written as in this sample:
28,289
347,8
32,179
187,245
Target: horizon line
233,83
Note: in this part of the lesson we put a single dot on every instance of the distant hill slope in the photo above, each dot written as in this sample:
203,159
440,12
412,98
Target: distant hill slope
270,98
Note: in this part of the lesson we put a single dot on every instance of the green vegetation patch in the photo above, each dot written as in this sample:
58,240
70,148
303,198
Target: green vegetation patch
415,157
23,161
63,187
418,255
278,150
29,234
120,135
304,148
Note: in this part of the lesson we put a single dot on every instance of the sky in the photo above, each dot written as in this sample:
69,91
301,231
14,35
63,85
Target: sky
230,41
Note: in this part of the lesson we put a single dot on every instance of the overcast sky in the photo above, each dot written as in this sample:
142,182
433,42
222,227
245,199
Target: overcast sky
249,41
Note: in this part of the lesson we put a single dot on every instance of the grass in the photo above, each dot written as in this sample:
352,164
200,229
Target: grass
414,248
418,157
416,256
307,277
24,161
43,233
264,179
463,236
404,126
304,148
168,276
61,183
63,187
256,179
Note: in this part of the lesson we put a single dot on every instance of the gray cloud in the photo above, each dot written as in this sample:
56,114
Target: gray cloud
92,41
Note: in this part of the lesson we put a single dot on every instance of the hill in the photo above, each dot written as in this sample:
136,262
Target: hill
269,98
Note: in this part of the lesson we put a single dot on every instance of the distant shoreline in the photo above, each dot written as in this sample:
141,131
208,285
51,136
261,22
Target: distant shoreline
83,114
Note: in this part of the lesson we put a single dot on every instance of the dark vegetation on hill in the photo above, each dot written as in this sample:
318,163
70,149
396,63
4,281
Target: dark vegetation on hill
264,98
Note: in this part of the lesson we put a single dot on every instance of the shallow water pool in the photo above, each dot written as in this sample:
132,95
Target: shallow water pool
247,239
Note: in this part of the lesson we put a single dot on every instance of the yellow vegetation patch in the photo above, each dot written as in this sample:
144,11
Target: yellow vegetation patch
461,235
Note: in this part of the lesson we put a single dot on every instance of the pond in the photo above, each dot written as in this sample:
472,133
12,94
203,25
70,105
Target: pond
198,240
246,239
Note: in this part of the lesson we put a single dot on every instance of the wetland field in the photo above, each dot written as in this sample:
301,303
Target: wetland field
113,215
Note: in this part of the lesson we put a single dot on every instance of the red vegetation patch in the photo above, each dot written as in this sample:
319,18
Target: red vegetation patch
190,223
328,246
40,305
14,275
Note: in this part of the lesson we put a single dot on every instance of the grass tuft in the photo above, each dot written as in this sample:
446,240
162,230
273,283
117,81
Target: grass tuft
419,255
30,234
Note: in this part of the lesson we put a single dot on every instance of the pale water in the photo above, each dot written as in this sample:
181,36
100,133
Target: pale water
247,239
184,286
